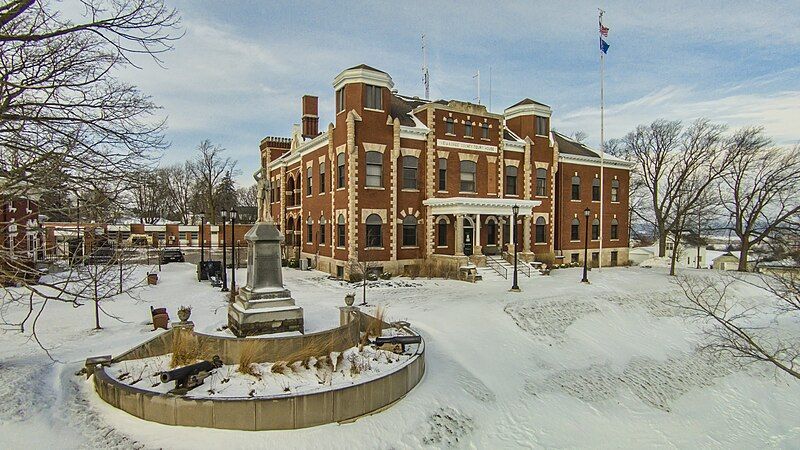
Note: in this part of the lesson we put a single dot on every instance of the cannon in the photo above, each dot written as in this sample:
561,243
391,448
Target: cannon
191,376
395,340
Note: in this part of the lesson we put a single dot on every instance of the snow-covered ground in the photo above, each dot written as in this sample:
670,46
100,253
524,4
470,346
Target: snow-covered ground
561,364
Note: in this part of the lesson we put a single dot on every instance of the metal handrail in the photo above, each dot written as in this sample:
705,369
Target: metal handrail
523,267
496,266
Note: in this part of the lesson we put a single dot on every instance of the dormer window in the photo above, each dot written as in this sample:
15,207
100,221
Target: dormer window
541,126
340,100
468,129
373,98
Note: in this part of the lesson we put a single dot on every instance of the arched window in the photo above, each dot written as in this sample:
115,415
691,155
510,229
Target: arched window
374,235
614,229
575,230
442,174
468,169
290,191
410,231
449,126
322,224
576,188
340,231
596,190
441,233
511,180
614,190
309,231
321,177
410,166
290,231
541,182
309,179
374,169
595,229
541,230
491,232
340,170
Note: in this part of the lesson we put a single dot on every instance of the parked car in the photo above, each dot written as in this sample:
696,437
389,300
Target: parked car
172,255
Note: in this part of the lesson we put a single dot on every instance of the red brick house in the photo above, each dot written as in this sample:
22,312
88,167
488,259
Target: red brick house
400,179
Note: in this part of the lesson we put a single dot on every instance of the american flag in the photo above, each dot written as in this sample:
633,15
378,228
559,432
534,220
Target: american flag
603,30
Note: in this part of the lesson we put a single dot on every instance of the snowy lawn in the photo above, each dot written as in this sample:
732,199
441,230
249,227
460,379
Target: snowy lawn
561,364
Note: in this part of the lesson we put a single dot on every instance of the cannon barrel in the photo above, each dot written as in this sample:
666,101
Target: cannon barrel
192,369
404,340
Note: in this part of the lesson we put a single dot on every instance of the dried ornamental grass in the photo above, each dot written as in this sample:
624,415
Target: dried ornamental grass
247,357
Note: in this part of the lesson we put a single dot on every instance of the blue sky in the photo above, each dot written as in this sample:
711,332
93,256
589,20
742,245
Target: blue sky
240,70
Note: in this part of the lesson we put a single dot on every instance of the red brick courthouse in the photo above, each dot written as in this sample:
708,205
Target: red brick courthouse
398,180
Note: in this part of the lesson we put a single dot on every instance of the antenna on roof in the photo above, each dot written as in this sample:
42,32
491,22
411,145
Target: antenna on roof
426,78
478,85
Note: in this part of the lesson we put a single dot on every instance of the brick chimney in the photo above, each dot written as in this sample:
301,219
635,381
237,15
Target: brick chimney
310,117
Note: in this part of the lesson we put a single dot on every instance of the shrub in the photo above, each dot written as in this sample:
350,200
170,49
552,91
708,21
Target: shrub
187,349
247,357
386,276
355,277
546,258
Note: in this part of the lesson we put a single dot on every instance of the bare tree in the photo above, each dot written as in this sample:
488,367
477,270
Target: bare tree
209,170
674,167
363,265
178,183
749,333
760,189
579,136
150,198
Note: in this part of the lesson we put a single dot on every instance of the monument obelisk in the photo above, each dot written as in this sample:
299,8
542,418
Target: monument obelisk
264,305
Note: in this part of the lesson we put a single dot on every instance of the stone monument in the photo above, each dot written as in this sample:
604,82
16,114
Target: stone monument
264,305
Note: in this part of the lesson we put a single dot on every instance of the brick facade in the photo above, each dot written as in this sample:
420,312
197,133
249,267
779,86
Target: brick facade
426,179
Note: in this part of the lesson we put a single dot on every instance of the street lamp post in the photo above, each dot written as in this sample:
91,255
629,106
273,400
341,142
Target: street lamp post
515,210
585,279
201,271
233,213
224,215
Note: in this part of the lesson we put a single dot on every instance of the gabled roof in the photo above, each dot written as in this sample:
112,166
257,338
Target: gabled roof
527,101
571,147
401,107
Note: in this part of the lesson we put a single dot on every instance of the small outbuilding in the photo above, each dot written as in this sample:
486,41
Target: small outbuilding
638,254
725,261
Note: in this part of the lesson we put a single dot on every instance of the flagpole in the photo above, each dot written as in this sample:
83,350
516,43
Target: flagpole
602,144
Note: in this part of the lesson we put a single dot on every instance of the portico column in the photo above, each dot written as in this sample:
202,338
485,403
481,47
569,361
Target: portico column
526,233
477,248
459,226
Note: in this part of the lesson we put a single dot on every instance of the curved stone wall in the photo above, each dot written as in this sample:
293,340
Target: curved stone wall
278,412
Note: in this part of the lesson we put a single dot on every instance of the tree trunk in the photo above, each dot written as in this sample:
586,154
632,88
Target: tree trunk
662,244
675,242
743,254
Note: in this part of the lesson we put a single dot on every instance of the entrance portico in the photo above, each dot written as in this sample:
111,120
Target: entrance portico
471,212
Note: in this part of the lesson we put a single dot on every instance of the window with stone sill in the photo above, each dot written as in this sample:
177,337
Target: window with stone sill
373,228
484,131
595,229
410,231
374,169
575,230
410,167
468,129
340,231
449,126
467,176
511,180
596,190
321,177
541,182
373,97
541,230
441,234
340,170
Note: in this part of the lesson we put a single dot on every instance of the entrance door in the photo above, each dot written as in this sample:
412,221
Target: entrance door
468,239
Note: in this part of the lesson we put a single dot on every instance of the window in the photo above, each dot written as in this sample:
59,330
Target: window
541,227
441,235
614,259
575,232
309,231
340,100
541,182
322,229
449,126
374,223
595,259
614,229
374,169
491,233
614,190
442,174
596,190
574,257
485,130
309,178
468,129
468,169
290,192
576,188
410,165
511,180
595,229
321,177
373,97
410,231
340,170
340,231
541,126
